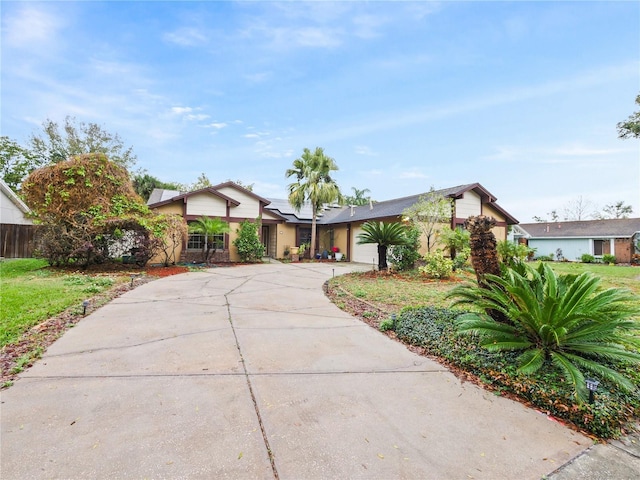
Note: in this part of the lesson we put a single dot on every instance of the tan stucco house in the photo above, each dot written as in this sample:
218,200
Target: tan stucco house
283,227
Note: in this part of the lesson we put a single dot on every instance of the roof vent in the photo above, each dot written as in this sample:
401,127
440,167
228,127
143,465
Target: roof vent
352,210
370,204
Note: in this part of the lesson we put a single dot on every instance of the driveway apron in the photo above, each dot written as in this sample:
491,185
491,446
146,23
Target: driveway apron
250,372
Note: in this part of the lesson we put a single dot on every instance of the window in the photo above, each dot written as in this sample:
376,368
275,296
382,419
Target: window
197,241
598,246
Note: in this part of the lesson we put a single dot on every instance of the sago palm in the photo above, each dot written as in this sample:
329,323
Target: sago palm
566,321
385,235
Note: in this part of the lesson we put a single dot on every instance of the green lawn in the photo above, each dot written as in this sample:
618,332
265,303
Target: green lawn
33,292
392,292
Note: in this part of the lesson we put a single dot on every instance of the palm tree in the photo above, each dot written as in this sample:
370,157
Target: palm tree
563,321
209,227
358,197
385,235
314,185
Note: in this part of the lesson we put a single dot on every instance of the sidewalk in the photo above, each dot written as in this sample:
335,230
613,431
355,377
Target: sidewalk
250,372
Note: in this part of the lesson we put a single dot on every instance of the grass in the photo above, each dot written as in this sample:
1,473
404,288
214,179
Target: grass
393,292
32,292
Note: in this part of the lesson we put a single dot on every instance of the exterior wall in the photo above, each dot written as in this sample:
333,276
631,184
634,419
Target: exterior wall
572,248
367,253
10,213
469,205
171,208
623,249
499,231
286,238
206,204
249,206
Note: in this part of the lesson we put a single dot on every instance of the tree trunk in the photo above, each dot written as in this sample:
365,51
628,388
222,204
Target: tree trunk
312,247
382,257
484,254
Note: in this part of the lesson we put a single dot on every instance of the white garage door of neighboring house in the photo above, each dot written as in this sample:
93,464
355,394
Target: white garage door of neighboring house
367,253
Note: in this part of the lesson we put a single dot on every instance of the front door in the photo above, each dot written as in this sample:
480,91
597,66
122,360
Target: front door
265,240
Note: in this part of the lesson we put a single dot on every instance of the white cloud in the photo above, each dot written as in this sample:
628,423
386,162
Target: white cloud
217,125
364,150
181,110
186,37
30,27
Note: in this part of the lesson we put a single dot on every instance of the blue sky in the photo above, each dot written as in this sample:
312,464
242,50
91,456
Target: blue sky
522,97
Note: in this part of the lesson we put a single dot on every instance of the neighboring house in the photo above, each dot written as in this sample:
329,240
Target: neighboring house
284,227
16,228
617,237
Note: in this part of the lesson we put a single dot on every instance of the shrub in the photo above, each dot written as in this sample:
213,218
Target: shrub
437,265
386,324
250,248
608,258
509,252
586,258
564,323
404,257
545,258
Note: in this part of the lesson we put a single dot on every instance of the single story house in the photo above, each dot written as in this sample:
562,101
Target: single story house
16,228
338,226
618,237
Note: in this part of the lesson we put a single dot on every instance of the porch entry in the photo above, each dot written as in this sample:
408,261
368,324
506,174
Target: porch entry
265,240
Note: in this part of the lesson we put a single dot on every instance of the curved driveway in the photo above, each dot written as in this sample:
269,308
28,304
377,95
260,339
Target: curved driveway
251,372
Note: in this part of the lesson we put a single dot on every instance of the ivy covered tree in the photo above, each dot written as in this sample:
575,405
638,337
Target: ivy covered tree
86,206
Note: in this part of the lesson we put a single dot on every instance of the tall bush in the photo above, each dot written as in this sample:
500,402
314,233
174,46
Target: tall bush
404,257
250,248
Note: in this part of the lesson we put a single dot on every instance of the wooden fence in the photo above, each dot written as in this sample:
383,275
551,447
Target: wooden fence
16,241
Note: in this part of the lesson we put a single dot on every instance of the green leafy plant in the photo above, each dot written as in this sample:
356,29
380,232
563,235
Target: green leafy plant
608,258
437,265
563,322
250,248
386,324
587,258
210,228
404,257
385,235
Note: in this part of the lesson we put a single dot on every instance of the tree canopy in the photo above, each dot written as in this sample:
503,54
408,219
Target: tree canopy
314,185
428,213
630,128
56,144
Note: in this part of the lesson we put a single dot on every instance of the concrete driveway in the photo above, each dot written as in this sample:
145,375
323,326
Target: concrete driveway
250,372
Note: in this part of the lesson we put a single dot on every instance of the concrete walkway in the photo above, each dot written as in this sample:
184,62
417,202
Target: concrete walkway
250,372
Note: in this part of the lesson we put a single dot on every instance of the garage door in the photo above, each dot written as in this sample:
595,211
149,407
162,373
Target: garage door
367,253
